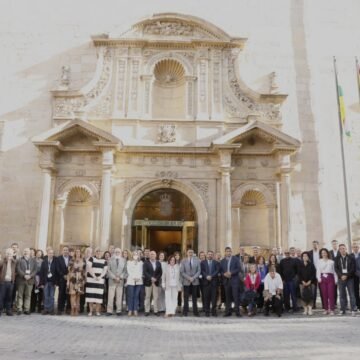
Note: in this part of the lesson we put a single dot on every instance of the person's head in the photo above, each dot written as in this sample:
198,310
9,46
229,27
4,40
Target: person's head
134,256
106,255
9,253
39,254
117,253
305,257
252,268
125,254
177,256
26,253
97,253
140,253
202,255
65,251
32,252
172,260
71,252
287,253
272,271
260,260
50,253
246,258
218,256
342,249
228,251
161,256
292,251
88,252
274,251
241,251
280,250
146,253
190,253
111,249
324,254
153,255
255,250
298,252
315,245
210,255
77,254
334,244
355,248
272,259
15,248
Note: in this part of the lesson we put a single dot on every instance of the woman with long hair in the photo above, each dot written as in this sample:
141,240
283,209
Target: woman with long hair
134,282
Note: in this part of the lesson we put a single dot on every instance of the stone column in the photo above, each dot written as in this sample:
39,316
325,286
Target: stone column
184,239
59,222
225,199
94,226
105,199
285,191
44,210
235,212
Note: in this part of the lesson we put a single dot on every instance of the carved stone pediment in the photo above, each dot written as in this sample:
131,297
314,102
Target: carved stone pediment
76,135
258,137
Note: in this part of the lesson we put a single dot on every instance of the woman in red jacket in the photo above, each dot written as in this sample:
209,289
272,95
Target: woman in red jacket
252,284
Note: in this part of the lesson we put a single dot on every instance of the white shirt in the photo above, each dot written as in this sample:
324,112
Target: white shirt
325,267
8,271
172,270
272,284
316,258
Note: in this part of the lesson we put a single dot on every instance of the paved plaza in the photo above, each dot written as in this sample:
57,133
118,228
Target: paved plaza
290,337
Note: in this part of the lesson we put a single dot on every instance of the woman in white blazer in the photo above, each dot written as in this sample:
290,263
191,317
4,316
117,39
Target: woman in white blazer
134,282
172,285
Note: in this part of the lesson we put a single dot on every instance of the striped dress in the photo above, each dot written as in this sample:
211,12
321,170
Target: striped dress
94,288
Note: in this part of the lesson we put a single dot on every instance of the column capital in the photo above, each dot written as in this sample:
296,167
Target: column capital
225,170
47,158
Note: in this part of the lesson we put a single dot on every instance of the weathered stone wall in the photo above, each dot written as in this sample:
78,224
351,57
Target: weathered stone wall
296,39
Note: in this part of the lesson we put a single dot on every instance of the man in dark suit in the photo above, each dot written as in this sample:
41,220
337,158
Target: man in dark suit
314,256
334,252
62,263
48,279
152,273
230,269
355,254
209,271
345,269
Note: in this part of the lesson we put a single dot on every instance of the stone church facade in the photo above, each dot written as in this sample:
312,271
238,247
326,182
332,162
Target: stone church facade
183,129
166,111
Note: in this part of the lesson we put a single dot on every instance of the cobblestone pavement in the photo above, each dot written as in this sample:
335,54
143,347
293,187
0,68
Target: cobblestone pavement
289,337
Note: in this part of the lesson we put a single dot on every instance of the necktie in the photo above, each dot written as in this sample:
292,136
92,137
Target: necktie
117,263
190,264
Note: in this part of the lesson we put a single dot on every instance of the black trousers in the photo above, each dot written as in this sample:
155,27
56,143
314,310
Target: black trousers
36,300
210,296
191,289
356,291
275,304
63,298
231,294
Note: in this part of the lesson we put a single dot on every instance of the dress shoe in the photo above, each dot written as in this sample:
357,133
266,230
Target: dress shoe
26,313
118,314
19,313
108,314
157,314
9,313
147,314
45,312
227,314
214,314
185,314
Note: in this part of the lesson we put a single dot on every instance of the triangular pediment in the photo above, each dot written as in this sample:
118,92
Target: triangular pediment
257,136
76,135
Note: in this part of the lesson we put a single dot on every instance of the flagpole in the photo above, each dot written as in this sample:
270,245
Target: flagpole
357,74
343,161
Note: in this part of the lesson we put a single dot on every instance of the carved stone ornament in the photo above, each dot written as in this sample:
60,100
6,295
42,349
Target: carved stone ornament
203,189
130,184
65,77
167,177
168,28
167,133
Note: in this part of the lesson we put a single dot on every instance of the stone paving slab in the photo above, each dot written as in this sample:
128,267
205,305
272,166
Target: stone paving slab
151,338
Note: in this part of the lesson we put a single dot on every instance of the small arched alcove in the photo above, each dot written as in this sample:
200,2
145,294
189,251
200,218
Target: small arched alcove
169,88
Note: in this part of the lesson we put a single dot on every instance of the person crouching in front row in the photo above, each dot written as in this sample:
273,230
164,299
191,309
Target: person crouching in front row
273,289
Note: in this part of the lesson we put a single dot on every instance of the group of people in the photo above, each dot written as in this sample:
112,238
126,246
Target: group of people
141,281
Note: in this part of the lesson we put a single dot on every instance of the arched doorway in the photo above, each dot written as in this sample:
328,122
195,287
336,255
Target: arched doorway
164,220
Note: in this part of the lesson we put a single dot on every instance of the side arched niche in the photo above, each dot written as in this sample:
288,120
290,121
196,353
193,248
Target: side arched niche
254,216
76,216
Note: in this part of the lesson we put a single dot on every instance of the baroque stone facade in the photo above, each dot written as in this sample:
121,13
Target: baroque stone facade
164,106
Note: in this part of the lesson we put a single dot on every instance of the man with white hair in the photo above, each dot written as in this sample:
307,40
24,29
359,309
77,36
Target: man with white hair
117,273
25,278
7,280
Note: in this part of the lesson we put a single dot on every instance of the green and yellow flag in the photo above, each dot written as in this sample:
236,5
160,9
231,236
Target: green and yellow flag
342,114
